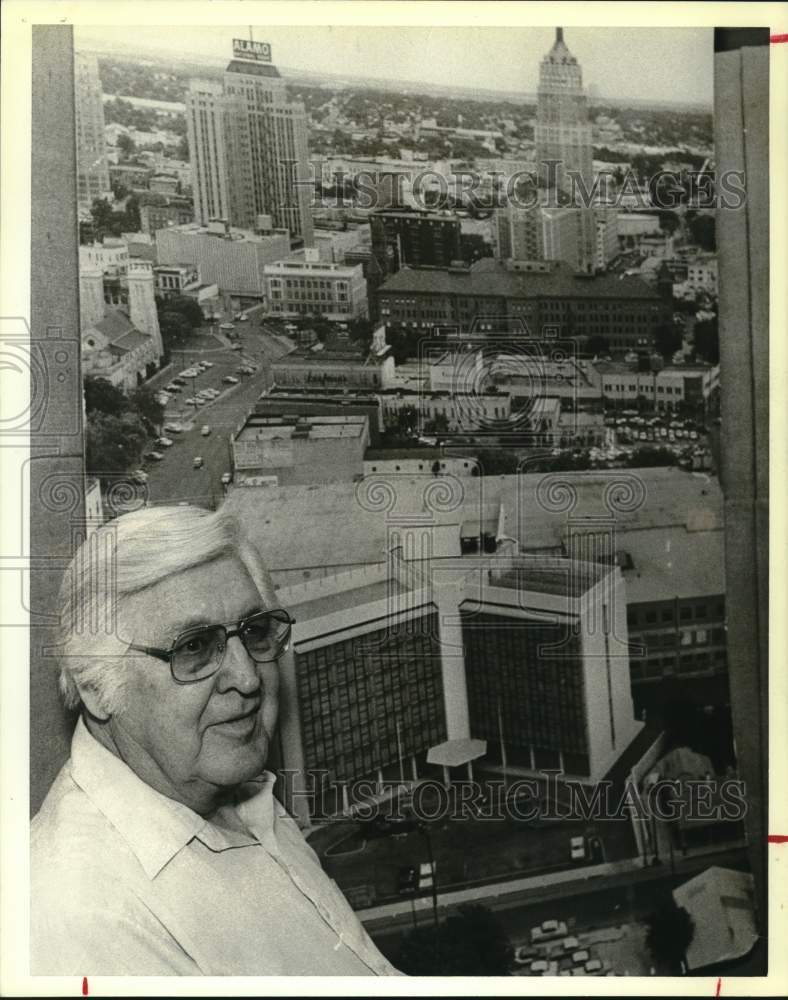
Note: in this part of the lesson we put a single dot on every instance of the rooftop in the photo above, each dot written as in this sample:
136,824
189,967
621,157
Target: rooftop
489,277
265,428
721,903
341,524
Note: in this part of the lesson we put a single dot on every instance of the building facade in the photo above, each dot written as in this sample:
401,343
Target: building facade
562,133
413,238
625,311
666,389
248,144
392,660
232,259
298,450
92,165
309,288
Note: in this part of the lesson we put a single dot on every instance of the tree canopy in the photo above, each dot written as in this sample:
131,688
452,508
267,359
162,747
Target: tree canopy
471,942
670,932
113,444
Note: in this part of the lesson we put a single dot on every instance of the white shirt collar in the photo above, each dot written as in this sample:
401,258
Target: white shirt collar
155,827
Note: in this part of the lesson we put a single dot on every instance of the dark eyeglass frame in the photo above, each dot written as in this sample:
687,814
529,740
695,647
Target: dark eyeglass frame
231,629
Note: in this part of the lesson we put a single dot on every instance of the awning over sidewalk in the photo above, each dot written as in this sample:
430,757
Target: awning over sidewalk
454,753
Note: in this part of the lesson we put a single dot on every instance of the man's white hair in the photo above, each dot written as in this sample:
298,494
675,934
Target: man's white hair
122,557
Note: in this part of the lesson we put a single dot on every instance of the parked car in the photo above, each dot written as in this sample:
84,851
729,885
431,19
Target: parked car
570,944
577,848
230,380
385,826
205,430
226,478
580,957
173,428
407,880
179,381
235,347
164,442
154,456
541,967
207,364
524,954
172,387
198,462
593,967
140,476
548,930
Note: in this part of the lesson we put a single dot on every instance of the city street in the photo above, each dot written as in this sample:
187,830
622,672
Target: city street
174,479
625,899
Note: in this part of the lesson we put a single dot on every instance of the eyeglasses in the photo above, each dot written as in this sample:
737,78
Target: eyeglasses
197,653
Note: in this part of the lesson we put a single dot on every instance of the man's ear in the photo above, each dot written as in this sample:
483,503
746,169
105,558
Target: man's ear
93,703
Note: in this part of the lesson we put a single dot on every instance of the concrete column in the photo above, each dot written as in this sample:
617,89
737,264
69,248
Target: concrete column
455,689
56,468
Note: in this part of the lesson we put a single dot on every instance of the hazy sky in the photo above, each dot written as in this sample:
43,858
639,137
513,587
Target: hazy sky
660,64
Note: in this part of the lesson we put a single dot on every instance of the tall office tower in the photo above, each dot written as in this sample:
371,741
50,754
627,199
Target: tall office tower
563,142
92,169
562,131
248,144
205,121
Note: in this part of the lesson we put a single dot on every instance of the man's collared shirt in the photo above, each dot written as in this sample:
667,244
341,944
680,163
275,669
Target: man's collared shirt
125,881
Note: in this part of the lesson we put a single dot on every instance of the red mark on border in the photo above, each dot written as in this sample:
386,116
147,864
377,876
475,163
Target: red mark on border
776,39
84,986
777,838
719,986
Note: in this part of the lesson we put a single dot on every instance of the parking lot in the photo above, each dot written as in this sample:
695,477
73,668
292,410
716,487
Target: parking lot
174,478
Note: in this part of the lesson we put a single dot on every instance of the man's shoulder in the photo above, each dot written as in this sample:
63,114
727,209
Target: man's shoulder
70,838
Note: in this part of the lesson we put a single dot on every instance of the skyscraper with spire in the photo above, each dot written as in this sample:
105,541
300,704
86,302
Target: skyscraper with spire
562,132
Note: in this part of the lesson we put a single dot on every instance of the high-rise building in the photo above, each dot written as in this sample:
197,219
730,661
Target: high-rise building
248,145
412,238
564,152
562,132
92,169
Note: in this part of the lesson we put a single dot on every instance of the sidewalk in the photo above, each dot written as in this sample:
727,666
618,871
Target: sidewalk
497,890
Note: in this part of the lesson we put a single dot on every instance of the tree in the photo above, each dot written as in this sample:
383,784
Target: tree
703,230
668,339
670,932
498,462
126,145
102,396
707,340
438,425
175,331
645,458
186,307
668,221
144,402
598,345
182,151
469,943
113,444
407,420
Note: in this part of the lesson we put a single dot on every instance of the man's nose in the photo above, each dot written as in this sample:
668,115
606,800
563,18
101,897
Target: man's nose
238,670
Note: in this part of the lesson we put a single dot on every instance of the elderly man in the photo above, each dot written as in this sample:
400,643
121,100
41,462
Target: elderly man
160,849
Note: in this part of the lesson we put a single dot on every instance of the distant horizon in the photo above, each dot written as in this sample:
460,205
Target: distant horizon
373,55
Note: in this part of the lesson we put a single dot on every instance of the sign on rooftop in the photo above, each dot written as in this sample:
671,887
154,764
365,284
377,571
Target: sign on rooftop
244,48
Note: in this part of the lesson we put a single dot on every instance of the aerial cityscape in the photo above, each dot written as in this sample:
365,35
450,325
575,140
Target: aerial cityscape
452,358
